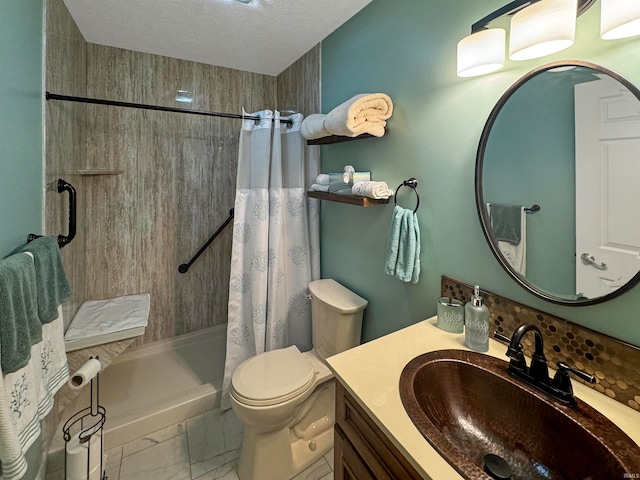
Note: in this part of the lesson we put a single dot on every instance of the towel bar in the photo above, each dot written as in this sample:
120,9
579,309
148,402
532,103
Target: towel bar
411,183
533,209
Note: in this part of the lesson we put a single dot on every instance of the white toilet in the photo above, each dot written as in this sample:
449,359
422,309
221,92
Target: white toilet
285,398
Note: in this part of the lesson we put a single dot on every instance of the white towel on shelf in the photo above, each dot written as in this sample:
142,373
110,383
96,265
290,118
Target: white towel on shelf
371,189
312,127
363,113
26,397
516,255
319,188
323,179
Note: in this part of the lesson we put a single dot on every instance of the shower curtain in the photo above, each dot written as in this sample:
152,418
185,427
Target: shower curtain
275,252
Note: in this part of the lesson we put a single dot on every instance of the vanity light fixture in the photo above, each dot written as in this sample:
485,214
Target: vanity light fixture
481,52
619,19
538,28
542,28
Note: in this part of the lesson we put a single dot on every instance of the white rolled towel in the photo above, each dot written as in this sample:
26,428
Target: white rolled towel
363,113
320,188
323,179
312,127
371,189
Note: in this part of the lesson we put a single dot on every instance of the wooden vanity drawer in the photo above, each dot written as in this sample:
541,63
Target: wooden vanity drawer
348,464
374,449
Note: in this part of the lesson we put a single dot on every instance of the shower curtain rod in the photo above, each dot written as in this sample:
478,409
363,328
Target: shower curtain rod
97,101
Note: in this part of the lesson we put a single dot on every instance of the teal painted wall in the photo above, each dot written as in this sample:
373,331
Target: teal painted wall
20,121
524,169
407,48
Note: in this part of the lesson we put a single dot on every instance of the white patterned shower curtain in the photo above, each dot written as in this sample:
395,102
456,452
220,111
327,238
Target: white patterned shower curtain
275,252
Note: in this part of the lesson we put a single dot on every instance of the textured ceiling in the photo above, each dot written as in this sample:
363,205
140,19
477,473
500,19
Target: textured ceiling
263,36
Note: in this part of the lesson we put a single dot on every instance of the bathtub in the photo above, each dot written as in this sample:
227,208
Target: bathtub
154,386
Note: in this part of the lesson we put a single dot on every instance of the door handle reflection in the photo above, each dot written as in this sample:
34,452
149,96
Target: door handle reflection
589,259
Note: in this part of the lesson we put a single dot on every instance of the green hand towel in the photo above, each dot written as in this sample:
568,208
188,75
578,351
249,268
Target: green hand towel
51,281
403,251
20,327
506,222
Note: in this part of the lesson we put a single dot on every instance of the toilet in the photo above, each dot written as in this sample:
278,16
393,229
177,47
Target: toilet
285,397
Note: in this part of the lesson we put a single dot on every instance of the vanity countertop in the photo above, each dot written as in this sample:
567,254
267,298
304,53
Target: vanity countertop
371,374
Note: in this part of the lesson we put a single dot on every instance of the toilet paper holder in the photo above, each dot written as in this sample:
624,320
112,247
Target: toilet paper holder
83,436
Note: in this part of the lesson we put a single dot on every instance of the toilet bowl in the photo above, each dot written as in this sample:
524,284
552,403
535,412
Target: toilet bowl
285,397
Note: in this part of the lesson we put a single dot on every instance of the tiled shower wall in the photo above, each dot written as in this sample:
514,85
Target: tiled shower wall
152,186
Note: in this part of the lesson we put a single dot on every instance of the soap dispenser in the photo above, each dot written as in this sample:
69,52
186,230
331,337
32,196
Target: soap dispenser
476,323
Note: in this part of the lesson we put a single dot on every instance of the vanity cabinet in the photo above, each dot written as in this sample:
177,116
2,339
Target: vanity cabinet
362,451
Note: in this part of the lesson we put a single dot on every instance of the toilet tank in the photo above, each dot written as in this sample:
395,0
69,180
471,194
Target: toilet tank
336,316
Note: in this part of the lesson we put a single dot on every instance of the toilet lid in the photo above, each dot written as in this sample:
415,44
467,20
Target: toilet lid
272,377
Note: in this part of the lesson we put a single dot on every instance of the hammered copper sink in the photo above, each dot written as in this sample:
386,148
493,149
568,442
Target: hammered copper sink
467,406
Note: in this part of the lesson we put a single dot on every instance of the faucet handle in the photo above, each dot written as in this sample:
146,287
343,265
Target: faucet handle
514,353
505,339
562,382
501,337
563,367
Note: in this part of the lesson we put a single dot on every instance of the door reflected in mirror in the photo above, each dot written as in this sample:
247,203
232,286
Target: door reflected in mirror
565,137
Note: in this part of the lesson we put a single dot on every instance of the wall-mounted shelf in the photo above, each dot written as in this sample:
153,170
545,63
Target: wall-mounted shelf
99,171
91,172
350,199
340,139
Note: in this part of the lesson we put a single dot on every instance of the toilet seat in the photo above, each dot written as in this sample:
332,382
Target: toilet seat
272,377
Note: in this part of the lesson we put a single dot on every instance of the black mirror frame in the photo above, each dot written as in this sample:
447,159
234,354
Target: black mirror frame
480,204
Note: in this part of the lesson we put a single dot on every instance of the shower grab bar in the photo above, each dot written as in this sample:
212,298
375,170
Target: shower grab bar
64,186
184,268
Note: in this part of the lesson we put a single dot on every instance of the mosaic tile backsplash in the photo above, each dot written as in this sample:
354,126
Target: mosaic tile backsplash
615,364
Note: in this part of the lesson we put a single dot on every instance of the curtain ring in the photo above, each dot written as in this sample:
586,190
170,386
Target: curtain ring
411,183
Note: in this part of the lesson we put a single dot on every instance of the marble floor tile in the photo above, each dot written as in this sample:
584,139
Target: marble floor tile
168,460
213,434
316,471
233,430
214,464
205,436
153,439
112,467
329,457
206,447
224,472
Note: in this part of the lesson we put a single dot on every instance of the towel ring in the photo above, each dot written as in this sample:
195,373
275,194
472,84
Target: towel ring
411,183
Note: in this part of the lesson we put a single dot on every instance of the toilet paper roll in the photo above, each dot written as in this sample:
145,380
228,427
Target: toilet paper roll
78,454
85,373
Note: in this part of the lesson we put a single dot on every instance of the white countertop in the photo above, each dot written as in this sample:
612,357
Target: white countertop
371,373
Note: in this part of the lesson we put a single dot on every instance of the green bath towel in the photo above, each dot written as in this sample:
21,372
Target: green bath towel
403,251
20,327
51,281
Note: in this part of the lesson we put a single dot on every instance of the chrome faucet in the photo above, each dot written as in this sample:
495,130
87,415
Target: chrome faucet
537,373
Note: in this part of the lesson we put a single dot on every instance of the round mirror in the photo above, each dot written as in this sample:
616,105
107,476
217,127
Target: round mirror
557,183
